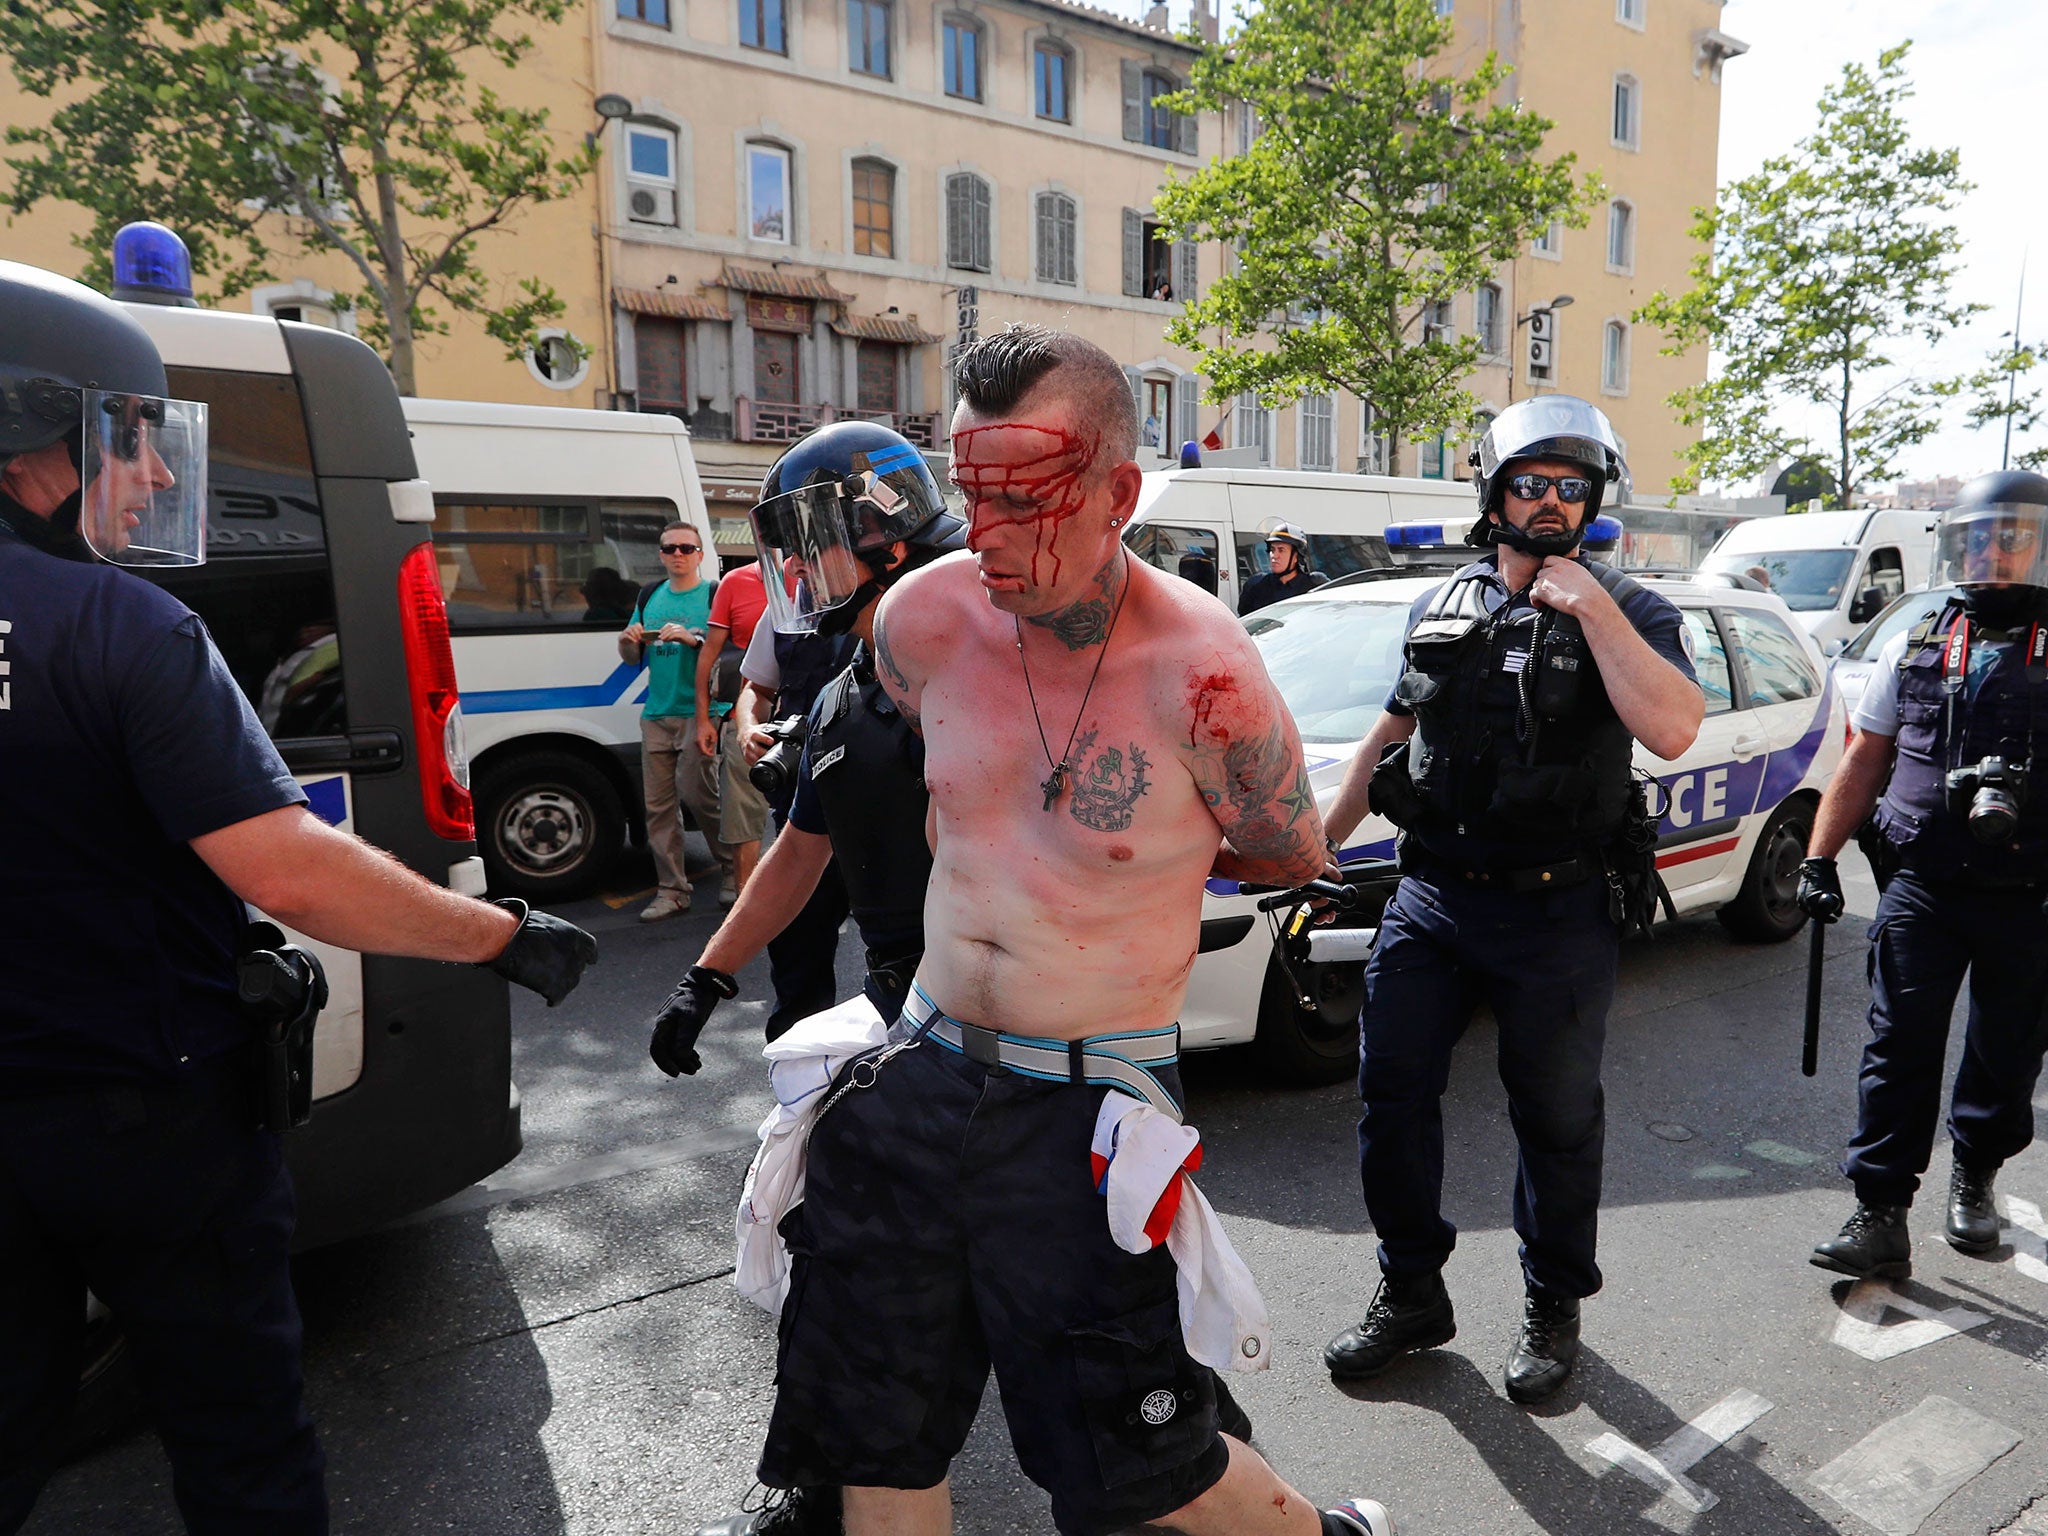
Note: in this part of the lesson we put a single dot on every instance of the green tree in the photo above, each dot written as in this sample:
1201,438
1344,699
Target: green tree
1380,183
1998,401
1813,267
359,119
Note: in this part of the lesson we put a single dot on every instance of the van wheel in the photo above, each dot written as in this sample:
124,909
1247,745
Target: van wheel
549,826
1766,908
1310,1047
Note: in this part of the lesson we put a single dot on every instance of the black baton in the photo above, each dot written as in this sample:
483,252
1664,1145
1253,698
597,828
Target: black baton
1816,953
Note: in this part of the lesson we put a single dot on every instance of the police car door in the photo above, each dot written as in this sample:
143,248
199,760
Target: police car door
1701,825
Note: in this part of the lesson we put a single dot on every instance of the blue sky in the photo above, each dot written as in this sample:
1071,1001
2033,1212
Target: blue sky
1978,69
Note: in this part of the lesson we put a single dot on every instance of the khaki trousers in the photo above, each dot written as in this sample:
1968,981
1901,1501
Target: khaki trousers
672,770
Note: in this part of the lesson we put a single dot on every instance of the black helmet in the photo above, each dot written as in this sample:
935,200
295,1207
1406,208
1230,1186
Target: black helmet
1560,427
830,509
1993,544
58,340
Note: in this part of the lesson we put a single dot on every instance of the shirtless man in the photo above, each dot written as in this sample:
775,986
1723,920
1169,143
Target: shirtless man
1100,737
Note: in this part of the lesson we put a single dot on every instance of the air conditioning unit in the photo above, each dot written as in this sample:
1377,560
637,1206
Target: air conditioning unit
1542,344
651,205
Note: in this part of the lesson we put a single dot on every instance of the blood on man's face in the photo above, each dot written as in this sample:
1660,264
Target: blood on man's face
1038,508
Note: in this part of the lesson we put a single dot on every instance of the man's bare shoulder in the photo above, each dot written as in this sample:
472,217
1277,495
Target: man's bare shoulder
929,604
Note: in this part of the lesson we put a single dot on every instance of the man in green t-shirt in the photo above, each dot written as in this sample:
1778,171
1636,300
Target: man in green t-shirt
665,633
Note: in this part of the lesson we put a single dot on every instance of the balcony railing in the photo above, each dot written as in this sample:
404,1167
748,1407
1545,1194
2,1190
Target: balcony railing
772,421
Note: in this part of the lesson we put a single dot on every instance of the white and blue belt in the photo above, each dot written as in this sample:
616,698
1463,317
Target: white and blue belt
1123,1061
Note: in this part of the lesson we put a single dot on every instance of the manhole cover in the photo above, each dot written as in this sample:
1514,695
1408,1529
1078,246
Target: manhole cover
1670,1130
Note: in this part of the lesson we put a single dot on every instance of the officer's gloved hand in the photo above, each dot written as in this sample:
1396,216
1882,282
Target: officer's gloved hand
683,1017
1820,890
546,955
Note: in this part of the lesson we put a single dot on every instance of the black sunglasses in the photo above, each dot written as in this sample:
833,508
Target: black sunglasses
1571,489
2009,539
681,549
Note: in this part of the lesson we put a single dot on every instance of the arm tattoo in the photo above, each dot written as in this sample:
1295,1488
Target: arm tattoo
1268,794
1080,625
893,681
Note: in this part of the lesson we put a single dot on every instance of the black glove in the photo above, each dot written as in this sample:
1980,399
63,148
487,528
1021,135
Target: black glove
546,954
683,1017
1820,890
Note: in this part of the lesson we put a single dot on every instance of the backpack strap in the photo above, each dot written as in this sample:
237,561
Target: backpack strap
1618,585
640,602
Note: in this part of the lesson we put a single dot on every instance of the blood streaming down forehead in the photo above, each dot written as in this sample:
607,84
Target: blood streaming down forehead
1045,468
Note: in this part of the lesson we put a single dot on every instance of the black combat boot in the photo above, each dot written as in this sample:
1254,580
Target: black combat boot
1545,1350
1404,1316
785,1512
1972,1216
1872,1245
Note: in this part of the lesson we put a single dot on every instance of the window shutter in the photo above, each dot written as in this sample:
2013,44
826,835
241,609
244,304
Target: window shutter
981,262
1069,270
1184,270
957,245
1137,382
1045,243
1186,130
1134,254
1187,399
1134,103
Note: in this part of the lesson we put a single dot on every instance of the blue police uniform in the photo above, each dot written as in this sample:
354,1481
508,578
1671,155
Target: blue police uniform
1963,693
130,1161
1507,898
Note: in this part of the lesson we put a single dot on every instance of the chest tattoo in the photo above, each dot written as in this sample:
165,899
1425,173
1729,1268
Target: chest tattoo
1107,788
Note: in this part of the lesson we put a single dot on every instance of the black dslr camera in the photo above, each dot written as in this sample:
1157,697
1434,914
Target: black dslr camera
1989,793
775,774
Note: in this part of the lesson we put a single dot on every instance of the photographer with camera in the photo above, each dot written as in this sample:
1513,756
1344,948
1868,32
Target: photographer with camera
1955,717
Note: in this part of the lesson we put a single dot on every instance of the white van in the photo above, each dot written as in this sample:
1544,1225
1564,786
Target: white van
1834,570
546,522
1209,524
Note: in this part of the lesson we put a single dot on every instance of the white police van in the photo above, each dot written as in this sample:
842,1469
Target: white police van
1739,804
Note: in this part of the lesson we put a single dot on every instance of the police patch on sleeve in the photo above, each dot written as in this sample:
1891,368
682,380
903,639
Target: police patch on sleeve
1685,643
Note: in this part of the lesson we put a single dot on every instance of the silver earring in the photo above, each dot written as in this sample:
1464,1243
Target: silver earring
1116,522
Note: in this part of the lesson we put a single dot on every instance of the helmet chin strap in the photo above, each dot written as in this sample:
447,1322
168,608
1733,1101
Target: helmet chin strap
1497,530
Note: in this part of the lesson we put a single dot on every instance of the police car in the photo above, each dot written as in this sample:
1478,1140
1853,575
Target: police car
1734,819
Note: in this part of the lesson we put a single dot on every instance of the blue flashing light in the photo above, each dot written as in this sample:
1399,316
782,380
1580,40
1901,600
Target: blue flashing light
1191,454
151,262
1417,536
1603,534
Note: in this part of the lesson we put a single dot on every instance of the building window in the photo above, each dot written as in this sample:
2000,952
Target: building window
1054,260
1252,427
1486,318
1439,321
963,58
1316,419
651,174
1551,242
775,369
557,359
659,363
1628,111
967,220
653,12
1621,235
1431,466
1614,358
867,37
1630,12
1050,65
1446,7
1159,123
761,25
874,208
768,194
1375,449
875,375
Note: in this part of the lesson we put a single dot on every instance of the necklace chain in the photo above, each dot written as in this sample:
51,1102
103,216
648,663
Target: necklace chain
1057,778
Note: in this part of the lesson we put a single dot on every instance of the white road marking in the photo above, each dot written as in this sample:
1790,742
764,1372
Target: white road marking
2028,1233
1665,1466
1899,1473
1861,1328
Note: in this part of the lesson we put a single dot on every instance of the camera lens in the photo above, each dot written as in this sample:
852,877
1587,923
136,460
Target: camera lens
1994,817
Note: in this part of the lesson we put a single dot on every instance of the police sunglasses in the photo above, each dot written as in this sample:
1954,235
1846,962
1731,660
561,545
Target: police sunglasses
2010,540
1571,489
681,549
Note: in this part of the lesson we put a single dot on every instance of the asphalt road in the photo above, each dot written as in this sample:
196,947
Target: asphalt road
561,1350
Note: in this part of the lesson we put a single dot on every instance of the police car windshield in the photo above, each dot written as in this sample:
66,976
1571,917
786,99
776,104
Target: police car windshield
1904,613
1807,579
1333,662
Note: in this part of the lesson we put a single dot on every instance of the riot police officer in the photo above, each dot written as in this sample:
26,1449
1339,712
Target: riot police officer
1528,676
1287,575
140,804
1957,716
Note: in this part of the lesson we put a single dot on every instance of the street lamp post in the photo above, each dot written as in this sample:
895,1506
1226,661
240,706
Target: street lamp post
1540,336
610,108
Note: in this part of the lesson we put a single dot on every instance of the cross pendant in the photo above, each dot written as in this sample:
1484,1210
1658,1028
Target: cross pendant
1053,783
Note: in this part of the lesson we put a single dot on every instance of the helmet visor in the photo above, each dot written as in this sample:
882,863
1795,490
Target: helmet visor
808,562
1998,544
144,476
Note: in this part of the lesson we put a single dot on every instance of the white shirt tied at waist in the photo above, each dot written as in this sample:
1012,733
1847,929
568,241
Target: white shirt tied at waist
1139,1156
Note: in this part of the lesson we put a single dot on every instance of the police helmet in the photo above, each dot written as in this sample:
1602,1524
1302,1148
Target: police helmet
1993,544
1562,428
60,340
1280,531
830,509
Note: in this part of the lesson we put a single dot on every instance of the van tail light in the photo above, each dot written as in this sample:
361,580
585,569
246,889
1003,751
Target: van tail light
436,702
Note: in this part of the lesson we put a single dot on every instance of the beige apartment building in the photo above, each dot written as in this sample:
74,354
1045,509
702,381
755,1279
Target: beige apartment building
805,205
